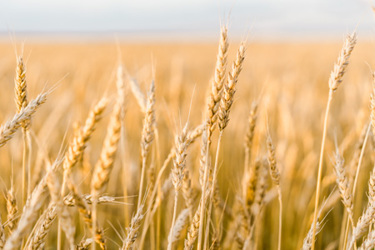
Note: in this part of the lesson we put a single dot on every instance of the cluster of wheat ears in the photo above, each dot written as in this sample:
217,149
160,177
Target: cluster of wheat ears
194,213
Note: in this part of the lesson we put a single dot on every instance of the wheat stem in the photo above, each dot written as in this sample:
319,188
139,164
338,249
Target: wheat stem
334,82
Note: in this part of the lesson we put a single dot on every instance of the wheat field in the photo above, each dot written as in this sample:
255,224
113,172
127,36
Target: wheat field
187,145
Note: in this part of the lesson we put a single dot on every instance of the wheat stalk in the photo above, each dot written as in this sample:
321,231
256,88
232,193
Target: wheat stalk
223,119
20,91
138,94
86,214
213,100
334,82
30,213
104,166
59,209
77,147
191,137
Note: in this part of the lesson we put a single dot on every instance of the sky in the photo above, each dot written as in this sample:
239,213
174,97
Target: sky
260,19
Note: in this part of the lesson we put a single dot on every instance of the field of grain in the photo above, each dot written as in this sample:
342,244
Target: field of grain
116,151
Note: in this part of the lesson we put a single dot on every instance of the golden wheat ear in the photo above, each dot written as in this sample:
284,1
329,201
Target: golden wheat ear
8,129
148,134
334,82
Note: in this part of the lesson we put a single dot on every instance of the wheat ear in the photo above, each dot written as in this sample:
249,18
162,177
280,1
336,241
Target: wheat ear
250,183
84,244
2,235
369,243
8,129
104,166
253,115
79,141
138,94
371,186
30,213
334,82
178,172
187,193
86,214
275,175
12,209
20,91
213,100
344,186
133,229
77,147
180,224
40,234
366,217
372,104
362,224
60,210
191,137
193,230
223,119
147,135
307,241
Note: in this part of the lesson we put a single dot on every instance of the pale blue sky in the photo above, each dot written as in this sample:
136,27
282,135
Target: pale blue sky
269,19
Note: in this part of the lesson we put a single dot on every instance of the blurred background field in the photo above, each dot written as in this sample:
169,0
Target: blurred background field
290,80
